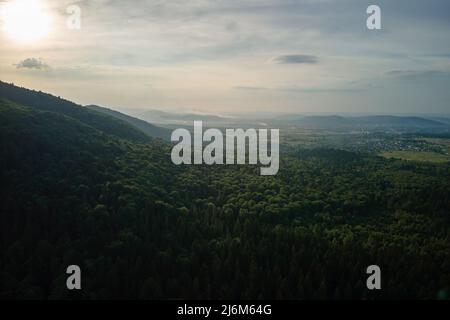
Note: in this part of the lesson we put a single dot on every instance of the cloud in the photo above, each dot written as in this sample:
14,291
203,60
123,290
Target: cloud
32,63
250,88
438,56
417,74
319,90
297,89
296,59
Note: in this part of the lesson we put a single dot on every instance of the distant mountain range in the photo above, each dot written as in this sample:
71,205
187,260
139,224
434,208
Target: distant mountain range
369,122
146,127
441,120
162,117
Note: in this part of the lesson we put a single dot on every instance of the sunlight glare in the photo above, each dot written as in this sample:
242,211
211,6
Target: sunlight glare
25,20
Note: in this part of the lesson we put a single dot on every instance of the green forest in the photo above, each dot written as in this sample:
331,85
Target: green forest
81,187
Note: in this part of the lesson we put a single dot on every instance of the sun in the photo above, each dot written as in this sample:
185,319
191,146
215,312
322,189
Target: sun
25,20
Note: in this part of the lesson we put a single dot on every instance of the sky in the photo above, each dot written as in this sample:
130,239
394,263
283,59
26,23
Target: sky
228,56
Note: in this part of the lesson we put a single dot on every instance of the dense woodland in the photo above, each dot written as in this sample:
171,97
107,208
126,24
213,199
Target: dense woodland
78,187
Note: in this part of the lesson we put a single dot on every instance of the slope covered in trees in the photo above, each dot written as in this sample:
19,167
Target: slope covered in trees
144,126
140,227
46,102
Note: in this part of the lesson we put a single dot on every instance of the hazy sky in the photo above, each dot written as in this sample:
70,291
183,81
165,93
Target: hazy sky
221,56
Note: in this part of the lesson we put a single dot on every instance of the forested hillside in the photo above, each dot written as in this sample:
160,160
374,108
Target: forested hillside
144,126
92,191
46,102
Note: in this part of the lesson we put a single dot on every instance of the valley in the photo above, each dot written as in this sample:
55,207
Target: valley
80,187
